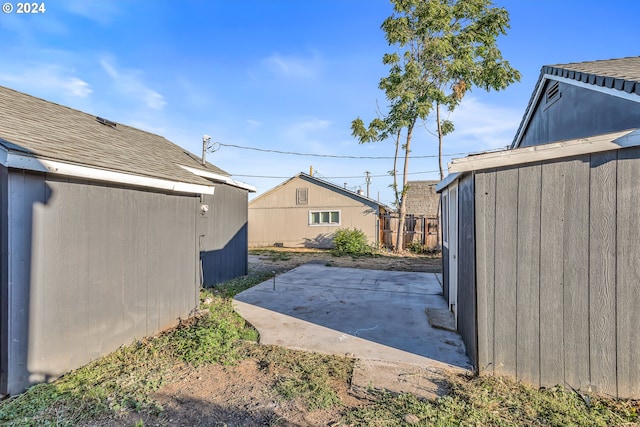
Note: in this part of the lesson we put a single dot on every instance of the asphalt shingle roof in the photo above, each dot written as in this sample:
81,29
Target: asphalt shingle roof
51,131
620,74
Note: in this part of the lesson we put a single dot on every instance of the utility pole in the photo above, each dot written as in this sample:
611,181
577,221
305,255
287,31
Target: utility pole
368,179
206,139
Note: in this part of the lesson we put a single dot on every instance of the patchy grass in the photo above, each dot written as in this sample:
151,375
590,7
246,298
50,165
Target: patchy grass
272,254
233,287
496,401
310,377
123,380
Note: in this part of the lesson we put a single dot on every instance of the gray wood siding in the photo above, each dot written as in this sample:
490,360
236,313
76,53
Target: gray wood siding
527,273
558,272
504,310
571,114
628,273
551,274
223,235
91,268
466,268
485,208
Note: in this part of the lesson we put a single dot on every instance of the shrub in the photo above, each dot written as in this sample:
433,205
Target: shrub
351,241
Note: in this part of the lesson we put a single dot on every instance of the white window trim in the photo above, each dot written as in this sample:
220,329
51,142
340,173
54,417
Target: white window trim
445,218
330,224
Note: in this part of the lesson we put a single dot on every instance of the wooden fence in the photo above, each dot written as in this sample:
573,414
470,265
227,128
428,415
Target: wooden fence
418,230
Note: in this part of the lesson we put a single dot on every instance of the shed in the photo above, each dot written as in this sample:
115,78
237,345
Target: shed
104,236
541,242
305,211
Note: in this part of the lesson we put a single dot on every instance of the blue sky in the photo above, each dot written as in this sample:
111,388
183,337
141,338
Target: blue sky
285,75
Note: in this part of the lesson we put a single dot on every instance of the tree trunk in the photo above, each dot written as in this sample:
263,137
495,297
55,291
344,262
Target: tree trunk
439,140
395,170
402,210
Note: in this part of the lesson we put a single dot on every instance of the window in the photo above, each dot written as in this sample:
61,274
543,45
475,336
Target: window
324,218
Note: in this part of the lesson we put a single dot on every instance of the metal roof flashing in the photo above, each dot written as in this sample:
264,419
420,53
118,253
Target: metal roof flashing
448,180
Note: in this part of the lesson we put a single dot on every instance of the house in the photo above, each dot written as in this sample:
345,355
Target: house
305,211
542,241
105,236
423,205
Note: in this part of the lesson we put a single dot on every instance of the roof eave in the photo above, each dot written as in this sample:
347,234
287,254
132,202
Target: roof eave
220,178
556,150
15,160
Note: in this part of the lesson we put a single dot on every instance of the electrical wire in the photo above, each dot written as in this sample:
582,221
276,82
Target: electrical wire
335,156
331,177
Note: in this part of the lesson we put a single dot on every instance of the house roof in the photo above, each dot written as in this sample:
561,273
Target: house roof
40,135
617,77
326,184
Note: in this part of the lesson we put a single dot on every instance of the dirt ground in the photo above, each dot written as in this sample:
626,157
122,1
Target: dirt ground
243,395
282,259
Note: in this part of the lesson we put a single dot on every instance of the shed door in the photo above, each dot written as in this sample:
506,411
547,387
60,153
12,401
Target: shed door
453,250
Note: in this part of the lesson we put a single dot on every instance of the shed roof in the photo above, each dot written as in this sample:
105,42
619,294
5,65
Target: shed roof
618,77
57,139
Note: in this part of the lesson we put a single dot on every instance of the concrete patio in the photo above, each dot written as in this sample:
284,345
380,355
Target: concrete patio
377,317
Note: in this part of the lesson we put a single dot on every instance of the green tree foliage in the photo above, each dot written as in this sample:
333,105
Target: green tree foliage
443,49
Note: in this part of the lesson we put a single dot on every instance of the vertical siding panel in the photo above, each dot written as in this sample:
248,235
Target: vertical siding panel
76,245
485,230
134,293
154,207
27,252
49,303
115,262
602,273
4,279
628,273
505,271
551,274
466,268
576,272
20,216
528,287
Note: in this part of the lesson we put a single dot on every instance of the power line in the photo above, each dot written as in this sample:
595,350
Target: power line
333,156
330,177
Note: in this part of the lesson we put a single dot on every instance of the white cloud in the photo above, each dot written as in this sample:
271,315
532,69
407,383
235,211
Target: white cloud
303,131
253,123
484,126
130,82
294,67
51,78
193,95
103,11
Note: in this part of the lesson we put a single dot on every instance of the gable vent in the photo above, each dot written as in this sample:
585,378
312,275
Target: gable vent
552,92
106,122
